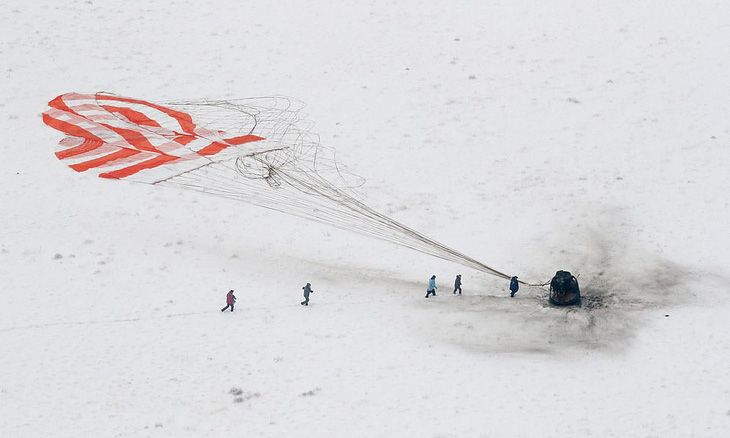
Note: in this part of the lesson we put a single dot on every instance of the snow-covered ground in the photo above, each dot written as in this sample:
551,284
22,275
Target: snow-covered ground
531,135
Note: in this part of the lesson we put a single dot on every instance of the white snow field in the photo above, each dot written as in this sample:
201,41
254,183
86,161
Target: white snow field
530,135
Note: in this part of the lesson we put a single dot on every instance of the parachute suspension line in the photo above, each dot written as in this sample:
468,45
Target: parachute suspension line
378,225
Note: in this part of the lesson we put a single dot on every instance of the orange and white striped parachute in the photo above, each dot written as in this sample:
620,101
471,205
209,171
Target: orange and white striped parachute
119,137
257,151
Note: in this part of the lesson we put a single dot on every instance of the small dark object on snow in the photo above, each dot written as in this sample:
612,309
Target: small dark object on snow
564,289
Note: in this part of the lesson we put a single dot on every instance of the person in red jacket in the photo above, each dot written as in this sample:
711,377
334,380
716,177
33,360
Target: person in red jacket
230,301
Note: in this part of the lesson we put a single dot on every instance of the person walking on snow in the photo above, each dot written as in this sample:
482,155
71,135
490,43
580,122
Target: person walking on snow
307,290
457,284
431,286
514,286
230,301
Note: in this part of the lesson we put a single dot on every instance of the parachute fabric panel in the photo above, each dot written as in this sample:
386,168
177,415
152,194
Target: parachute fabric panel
118,137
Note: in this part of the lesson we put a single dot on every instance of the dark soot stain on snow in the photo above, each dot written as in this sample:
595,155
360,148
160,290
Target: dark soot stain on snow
615,301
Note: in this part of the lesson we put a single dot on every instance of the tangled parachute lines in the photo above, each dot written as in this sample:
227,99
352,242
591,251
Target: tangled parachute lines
256,150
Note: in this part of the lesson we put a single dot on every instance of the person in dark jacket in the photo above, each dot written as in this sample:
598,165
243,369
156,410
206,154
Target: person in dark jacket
307,290
514,286
230,301
431,286
457,284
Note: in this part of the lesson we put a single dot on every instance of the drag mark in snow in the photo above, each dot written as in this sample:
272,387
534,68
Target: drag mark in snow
107,321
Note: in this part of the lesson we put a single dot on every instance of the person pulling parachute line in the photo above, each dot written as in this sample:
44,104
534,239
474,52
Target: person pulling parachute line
514,286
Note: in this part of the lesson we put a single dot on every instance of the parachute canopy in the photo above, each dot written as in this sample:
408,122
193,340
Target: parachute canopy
118,137
255,150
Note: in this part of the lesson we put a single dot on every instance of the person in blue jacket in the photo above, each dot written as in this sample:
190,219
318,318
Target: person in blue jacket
514,286
307,290
457,284
431,286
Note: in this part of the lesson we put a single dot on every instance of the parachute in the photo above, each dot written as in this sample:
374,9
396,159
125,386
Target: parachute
256,150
